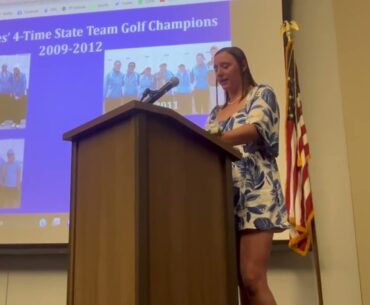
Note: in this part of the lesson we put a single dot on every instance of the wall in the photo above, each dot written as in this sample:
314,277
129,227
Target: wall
352,23
39,278
33,278
321,85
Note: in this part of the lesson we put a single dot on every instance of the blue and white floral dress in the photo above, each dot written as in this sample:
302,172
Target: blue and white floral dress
259,201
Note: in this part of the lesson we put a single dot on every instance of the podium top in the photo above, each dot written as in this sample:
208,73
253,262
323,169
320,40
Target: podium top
135,107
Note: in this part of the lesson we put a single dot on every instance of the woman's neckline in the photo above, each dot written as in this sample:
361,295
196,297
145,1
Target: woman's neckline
245,100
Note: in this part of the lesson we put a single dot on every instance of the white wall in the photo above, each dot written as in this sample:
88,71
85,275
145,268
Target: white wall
317,57
353,23
3,287
42,279
34,279
292,278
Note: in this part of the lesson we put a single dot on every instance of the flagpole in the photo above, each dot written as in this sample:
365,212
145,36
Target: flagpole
315,251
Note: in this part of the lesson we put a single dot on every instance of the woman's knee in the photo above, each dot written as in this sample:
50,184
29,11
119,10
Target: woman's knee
253,279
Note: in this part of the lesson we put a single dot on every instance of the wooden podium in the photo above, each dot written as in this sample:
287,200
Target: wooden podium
151,212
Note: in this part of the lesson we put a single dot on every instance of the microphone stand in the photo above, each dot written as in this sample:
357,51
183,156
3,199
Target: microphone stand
155,95
147,92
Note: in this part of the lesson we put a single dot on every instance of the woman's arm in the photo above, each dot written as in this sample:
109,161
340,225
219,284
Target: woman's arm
242,135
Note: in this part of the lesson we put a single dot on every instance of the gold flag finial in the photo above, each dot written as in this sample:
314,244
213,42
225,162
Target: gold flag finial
287,27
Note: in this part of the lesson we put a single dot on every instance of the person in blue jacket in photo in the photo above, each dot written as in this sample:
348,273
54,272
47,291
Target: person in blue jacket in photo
183,91
199,78
113,87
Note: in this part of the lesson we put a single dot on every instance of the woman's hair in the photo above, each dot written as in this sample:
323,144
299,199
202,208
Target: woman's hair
201,55
146,69
246,75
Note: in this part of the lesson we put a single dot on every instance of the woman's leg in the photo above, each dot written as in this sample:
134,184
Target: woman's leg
254,254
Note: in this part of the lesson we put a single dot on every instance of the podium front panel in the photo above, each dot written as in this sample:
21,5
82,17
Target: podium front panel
104,241
190,259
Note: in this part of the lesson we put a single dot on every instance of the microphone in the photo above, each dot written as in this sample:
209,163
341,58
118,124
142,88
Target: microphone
173,82
146,92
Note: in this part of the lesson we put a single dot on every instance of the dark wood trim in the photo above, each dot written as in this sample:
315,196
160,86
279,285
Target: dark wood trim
34,249
64,249
72,217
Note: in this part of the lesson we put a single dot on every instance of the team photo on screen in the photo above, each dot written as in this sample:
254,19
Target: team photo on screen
129,72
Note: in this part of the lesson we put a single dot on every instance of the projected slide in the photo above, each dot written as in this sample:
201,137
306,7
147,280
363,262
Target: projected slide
60,71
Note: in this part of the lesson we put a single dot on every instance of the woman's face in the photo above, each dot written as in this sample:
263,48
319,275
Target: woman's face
117,66
131,67
228,72
200,60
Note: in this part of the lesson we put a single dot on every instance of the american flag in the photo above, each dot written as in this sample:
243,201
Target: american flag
298,189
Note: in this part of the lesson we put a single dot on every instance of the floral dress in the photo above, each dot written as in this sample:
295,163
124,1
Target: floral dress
259,202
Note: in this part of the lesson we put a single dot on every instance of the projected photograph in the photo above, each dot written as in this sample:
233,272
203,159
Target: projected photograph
129,72
14,75
11,163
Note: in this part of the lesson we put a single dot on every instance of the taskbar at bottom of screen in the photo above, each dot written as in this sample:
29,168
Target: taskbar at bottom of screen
34,228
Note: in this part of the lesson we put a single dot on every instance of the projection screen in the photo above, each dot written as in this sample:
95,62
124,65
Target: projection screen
62,62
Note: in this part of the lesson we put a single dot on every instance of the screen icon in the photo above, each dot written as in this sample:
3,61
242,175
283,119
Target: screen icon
56,221
43,223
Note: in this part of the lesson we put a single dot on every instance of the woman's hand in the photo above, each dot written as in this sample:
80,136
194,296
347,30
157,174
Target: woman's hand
214,129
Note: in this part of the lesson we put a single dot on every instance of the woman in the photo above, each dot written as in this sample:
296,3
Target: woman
146,81
130,84
199,79
249,120
113,87
183,91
